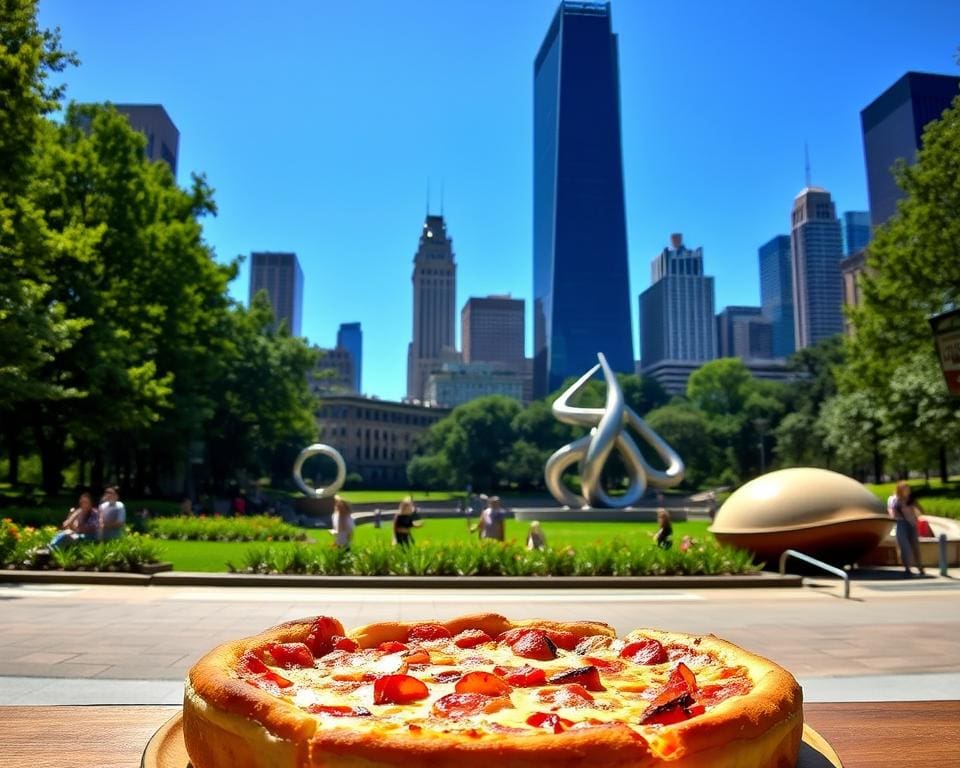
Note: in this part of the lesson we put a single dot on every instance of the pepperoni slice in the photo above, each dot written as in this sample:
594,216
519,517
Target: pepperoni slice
573,695
522,677
250,664
320,637
338,711
607,665
709,695
647,651
423,632
398,689
457,705
535,644
290,655
471,638
563,639
392,646
341,643
588,677
482,682
270,681
419,656
549,722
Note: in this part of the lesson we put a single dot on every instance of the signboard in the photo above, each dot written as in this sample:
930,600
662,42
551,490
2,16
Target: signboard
946,335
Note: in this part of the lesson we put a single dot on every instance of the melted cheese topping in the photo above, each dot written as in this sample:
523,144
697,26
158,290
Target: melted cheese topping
343,679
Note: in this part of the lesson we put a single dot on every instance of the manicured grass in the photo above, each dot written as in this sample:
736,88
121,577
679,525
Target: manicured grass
213,556
394,497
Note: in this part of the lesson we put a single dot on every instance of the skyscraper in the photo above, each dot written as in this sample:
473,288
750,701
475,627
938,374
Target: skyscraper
281,276
492,330
350,338
816,250
893,126
580,278
677,315
152,120
745,333
776,293
856,231
434,305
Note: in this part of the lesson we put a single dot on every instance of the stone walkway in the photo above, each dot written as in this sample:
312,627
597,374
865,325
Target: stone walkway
118,644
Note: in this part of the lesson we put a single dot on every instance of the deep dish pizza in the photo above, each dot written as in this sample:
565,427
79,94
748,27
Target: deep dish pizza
485,692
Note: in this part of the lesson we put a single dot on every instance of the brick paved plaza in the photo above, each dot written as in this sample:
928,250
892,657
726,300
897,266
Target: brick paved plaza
59,643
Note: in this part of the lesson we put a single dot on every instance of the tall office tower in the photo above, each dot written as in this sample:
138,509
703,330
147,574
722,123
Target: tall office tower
434,311
350,338
152,120
677,315
280,275
745,333
492,330
776,293
581,283
816,248
893,126
856,231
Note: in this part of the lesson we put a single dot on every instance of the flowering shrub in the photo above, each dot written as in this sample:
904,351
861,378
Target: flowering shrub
491,558
26,547
202,528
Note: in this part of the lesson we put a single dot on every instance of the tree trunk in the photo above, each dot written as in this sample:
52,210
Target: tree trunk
944,469
877,467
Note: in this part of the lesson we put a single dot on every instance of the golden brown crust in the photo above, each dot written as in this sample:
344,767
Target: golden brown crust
493,624
759,729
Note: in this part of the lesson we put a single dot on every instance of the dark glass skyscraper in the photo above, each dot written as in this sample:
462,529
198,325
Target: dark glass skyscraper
581,284
350,338
776,293
893,126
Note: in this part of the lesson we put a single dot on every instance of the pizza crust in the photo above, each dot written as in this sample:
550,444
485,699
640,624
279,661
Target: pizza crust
230,723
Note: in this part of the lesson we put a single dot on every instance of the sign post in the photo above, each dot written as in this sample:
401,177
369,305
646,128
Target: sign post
946,335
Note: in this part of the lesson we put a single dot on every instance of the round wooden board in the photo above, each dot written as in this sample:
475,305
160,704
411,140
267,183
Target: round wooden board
166,749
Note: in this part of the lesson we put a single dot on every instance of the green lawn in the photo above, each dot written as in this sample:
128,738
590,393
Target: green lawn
212,556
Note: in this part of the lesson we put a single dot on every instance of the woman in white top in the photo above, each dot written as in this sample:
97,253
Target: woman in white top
343,524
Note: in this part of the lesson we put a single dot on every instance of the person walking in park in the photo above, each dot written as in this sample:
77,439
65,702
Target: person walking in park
902,507
536,538
664,534
343,525
491,525
404,522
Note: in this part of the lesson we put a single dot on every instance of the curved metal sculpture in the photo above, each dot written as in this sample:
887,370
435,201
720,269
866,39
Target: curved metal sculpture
319,449
592,450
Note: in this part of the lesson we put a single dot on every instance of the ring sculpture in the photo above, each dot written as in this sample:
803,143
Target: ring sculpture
319,449
592,450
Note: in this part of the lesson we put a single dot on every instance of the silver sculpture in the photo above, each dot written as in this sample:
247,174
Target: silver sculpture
319,449
592,450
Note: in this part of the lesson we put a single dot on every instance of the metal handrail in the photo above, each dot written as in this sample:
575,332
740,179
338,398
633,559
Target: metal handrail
819,564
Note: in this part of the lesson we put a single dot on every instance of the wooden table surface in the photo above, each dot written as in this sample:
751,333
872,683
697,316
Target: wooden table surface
918,734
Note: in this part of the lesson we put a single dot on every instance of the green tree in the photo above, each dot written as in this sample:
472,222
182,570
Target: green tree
33,328
469,444
684,426
913,273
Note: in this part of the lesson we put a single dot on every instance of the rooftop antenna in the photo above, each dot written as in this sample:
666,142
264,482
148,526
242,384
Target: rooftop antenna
806,165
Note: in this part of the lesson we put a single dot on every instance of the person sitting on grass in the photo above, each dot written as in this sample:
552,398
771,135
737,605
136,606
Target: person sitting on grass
112,517
81,524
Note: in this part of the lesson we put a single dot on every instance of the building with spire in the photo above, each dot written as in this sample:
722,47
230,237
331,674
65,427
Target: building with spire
816,246
434,307
677,327
581,286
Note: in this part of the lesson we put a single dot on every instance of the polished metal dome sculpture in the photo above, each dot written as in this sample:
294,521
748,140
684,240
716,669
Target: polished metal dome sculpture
818,512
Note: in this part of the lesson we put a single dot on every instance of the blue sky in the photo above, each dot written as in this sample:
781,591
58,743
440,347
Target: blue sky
319,124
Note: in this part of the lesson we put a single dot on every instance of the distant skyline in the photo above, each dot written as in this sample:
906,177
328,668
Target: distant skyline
320,125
